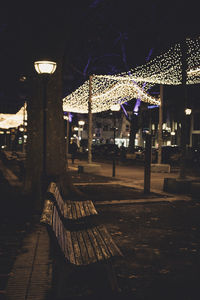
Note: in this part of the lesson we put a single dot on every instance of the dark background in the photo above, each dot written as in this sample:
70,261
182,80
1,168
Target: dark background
113,36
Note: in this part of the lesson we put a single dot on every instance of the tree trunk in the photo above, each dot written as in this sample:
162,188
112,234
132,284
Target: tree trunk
133,131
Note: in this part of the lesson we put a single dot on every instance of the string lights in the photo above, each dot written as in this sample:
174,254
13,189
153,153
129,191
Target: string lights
105,93
108,90
13,120
164,69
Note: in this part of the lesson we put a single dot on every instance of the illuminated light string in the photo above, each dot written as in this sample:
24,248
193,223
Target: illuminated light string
13,120
166,68
105,93
111,89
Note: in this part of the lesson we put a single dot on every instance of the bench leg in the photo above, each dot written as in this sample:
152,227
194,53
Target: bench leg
112,277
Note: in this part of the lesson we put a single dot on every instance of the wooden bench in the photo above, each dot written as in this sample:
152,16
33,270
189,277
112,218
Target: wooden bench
72,210
83,245
80,247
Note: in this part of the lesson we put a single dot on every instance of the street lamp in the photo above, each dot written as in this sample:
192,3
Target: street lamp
66,118
188,111
44,68
81,123
114,108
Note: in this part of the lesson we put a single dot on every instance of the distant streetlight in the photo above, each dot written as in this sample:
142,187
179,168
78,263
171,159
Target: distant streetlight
188,111
81,123
44,68
66,118
114,108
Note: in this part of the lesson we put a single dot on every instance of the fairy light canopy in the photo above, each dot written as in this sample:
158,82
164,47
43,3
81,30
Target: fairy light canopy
13,120
105,93
166,68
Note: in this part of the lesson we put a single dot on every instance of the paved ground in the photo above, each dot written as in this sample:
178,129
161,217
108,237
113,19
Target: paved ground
161,248
159,239
133,173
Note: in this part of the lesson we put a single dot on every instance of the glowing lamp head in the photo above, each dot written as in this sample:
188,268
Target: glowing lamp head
81,123
115,107
45,67
188,111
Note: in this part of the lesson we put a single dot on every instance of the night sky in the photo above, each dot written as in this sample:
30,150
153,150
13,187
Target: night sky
114,35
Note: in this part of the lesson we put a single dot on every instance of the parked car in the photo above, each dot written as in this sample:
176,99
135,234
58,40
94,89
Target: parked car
105,150
171,154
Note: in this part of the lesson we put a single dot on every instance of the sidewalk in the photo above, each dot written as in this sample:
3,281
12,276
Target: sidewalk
159,237
24,245
132,177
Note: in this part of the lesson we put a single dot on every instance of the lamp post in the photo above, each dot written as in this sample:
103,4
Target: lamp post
114,108
188,112
67,135
160,126
81,123
44,68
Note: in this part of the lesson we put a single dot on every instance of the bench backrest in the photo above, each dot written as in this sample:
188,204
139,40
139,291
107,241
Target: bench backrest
73,210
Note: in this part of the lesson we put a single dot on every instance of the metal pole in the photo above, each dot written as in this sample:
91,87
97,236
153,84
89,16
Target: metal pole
160,126
67,138
90,121
44,128
182,173
147,164
114,135
23,146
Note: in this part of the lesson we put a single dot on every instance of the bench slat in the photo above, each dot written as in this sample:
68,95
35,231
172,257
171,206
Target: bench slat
91,208
74,214
90,249
83,248
78,210
101,244
109,241
82,211
86,209
94,244
76,248
47,213
68,211
62,238
70,250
